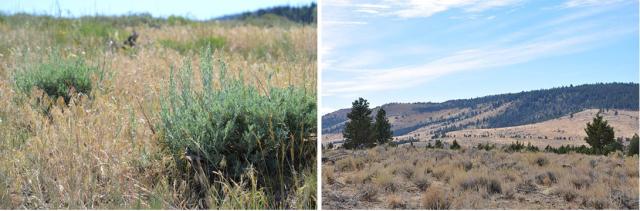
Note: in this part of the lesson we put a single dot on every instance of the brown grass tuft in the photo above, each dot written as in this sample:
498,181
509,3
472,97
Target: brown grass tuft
435,199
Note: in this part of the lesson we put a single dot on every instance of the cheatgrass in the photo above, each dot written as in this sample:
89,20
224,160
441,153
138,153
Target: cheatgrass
233,127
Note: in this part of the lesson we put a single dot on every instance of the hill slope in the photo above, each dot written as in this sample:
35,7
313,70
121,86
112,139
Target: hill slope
496,111
301,14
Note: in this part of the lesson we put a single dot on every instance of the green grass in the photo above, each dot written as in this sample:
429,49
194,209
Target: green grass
236,127
211,42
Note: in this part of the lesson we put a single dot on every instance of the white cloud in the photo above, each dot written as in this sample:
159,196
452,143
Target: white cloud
585,3
418,8
468,60
370,11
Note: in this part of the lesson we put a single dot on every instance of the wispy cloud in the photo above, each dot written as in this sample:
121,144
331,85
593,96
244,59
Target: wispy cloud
468,60
418,8
368,58
585,3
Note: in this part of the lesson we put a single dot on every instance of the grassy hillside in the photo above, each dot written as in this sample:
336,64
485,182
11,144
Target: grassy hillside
556,132
499,110
89,123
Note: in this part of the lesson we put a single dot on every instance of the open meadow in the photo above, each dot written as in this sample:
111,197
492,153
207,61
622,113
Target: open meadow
193,114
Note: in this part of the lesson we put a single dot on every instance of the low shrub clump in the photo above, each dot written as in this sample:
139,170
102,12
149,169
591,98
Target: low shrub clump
57,77
476,183
546,178
435,199
236,127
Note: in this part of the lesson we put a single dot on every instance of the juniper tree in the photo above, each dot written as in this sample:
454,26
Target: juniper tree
358,132
600,136
382,128
633,146
454,145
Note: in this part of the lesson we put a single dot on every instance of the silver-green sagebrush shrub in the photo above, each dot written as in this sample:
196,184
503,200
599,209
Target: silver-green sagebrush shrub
57,77
233,127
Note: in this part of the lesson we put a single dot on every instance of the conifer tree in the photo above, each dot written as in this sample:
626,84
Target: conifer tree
382,128
358,131
600,136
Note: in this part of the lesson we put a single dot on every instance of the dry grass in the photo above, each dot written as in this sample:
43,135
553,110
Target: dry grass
478,179
396,202
102,151
435,199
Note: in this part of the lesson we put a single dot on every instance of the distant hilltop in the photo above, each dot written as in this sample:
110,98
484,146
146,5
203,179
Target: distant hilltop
299,14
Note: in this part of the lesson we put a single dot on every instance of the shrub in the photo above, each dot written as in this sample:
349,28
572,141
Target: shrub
546,178
236,126
568,148
541,161
349,164
57,77
532,148
454,145
569,194
407,171
466,165
475,183
330,146
421,182
435,199
515,147
486,147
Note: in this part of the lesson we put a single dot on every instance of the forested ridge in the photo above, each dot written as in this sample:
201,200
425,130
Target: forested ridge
524,107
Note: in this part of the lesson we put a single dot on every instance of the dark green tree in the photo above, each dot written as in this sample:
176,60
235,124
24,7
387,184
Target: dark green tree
358,131
454,145
382,128
633,146
600,136
438,144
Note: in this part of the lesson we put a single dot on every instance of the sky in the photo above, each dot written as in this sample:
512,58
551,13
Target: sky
432,51
194,9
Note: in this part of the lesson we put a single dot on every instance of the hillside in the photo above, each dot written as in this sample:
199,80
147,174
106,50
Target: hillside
495,111
566,130
302,14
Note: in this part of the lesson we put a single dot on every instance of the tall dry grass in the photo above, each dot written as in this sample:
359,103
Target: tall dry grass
101,151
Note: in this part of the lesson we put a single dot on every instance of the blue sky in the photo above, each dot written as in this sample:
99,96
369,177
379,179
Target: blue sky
419,51
194,9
